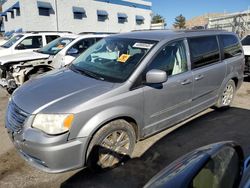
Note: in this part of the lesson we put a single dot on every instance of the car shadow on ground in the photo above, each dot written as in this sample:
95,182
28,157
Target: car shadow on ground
218,125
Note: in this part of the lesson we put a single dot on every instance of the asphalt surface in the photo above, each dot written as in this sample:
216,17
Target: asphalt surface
150,156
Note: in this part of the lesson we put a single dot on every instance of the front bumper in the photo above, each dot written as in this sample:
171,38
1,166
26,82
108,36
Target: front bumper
52,154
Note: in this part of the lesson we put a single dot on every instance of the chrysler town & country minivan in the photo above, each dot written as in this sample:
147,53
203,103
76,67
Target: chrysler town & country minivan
122,89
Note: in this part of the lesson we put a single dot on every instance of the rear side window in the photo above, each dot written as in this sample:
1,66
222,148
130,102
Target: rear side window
231,46
50,38
246,41
203,51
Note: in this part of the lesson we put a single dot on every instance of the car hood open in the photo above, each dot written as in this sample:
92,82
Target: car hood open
56,91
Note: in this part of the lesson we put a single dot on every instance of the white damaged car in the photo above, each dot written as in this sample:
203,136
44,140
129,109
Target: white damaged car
27,42
18,68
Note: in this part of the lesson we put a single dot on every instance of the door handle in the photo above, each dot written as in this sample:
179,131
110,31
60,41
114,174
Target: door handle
199,77
185,82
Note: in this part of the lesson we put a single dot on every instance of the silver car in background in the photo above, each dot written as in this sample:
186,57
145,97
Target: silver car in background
122,89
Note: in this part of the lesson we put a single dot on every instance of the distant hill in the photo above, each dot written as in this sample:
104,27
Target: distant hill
201,20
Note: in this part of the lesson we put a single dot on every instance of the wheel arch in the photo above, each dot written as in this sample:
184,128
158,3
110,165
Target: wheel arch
103,118
34,69
126,118
236,81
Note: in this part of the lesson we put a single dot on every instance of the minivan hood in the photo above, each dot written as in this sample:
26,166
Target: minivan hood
25,56
54,92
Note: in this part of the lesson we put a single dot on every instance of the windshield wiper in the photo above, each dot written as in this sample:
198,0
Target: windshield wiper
88,73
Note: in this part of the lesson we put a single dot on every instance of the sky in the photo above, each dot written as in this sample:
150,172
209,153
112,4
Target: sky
169,9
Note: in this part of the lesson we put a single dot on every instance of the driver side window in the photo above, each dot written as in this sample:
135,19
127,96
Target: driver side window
30,42
171,59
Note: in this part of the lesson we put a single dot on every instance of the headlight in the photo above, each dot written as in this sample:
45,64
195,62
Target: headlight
53,123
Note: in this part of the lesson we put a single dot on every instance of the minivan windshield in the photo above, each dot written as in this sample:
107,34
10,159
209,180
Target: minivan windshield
12,41
112,59
55,46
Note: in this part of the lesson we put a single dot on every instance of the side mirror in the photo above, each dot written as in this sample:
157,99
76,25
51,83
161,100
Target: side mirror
216,165
20,47
156,76
72,51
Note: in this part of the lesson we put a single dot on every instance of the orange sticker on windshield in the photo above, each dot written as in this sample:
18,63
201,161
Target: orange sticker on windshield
123,58
60,46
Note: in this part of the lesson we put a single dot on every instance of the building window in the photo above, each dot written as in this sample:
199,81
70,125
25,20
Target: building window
102,15
44,12
18,13
79,13
6,18
12,14
44,8
16,7
139,20
122,18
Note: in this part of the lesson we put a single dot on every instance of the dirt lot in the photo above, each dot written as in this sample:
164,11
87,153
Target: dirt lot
151,155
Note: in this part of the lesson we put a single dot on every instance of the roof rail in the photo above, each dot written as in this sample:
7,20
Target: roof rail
180,30
200,30
85,33
49,31
152,30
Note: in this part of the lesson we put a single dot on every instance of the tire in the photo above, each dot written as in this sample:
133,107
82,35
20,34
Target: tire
226,97
111,145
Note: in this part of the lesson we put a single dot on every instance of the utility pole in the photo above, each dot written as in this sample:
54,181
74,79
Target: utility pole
57,26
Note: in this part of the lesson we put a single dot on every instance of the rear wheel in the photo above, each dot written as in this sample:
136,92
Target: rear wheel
226,97
111,145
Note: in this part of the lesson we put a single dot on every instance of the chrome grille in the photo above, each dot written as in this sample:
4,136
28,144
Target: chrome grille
15,117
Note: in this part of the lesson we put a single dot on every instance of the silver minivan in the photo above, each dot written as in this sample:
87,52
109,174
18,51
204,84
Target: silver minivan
122,89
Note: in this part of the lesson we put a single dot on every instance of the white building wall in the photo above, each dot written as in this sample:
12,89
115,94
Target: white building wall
236,22
30,20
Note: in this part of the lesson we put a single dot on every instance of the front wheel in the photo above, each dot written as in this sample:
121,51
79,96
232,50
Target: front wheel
111,145
226,97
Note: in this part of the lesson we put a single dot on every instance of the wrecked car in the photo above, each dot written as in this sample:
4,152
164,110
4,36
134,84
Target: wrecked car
18,68
28,41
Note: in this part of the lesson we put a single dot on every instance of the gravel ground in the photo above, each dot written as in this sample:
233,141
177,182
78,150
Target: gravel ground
150,156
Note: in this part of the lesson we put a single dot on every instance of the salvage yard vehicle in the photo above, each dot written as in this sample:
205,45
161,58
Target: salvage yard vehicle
246,48
122,89
216,165
27,42
18,68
